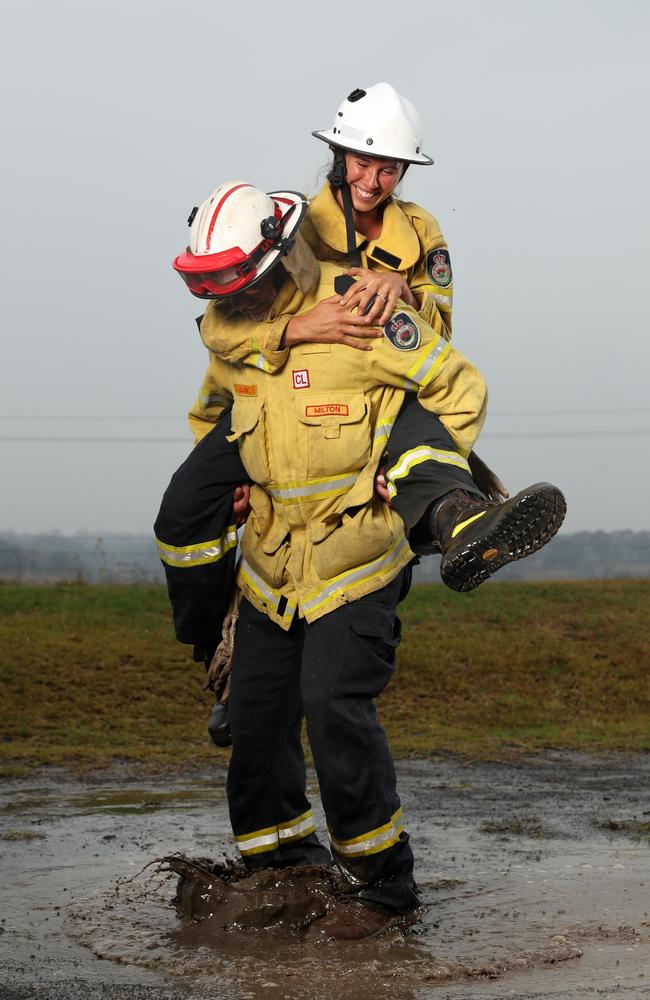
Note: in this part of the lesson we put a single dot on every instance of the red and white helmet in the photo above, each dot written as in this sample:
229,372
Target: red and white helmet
378,122
236,236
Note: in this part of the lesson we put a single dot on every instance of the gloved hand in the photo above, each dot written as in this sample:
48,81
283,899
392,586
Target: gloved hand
487,481
219,725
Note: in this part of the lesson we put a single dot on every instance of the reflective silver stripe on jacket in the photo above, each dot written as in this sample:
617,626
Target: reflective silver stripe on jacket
313,488
345,580
264,591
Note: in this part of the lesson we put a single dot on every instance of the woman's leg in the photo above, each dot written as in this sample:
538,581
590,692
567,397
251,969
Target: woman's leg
197,538
422,464
434,493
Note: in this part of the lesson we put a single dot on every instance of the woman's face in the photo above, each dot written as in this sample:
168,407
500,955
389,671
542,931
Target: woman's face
371,180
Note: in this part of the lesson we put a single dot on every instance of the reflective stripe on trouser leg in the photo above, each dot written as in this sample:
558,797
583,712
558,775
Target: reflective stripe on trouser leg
422,463
379,839
270,815
348,659
271,838
197,538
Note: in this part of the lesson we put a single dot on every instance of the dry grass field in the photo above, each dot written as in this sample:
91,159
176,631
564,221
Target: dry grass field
91,675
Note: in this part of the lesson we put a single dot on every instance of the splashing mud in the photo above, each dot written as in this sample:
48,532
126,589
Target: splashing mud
532,885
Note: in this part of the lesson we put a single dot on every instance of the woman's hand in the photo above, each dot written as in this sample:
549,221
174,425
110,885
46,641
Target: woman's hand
387,288
487,481
330,322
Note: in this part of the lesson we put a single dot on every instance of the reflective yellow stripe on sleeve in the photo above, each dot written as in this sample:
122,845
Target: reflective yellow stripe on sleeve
383,429
186,556
442,300
425,453
425,368
259,361
213,399
379,839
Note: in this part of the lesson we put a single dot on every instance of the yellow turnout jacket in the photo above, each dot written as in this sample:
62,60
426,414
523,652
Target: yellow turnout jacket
311,436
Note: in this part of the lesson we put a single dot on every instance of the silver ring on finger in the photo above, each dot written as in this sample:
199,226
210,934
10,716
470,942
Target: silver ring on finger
382,297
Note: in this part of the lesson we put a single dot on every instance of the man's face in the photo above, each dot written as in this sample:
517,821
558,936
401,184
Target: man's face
255,302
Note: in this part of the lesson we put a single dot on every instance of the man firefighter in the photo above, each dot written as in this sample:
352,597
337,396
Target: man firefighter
324,560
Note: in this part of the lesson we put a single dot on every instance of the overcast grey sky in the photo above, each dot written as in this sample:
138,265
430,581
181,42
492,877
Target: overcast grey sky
118,117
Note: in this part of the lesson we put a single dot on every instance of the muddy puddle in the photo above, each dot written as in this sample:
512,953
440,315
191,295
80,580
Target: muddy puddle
535,880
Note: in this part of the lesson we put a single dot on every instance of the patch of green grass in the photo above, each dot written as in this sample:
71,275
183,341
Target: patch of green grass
522,667
14,835
517,826
635,828
93,675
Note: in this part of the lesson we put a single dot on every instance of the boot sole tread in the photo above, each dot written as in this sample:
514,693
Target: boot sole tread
523,529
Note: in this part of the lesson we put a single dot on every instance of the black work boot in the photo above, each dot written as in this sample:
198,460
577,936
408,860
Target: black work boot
478,537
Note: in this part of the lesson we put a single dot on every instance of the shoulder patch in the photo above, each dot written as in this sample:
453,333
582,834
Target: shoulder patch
439,267
403,332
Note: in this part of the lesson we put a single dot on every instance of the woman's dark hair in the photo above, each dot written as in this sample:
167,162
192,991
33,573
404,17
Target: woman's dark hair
332,166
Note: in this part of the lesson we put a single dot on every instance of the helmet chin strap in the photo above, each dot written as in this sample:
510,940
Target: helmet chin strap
339,181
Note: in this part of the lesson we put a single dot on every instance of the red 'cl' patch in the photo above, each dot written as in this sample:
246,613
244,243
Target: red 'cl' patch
300,378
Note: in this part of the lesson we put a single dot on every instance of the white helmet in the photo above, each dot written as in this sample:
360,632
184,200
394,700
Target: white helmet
378,122
236,236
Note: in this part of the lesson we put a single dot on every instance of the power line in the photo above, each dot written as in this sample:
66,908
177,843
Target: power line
97,440
88,418
630,432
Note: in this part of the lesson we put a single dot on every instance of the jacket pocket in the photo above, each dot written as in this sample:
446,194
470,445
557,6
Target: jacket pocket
358,539
264,544
248,429
338,431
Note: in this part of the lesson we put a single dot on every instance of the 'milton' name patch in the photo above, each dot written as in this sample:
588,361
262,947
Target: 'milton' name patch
327,410
245,390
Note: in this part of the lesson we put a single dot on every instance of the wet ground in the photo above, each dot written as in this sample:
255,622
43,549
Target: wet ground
535,879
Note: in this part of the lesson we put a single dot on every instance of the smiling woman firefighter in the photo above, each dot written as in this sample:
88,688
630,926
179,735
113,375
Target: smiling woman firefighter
394,255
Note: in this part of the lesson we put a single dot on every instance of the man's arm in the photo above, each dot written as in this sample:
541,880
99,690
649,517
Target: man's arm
414,357
235,338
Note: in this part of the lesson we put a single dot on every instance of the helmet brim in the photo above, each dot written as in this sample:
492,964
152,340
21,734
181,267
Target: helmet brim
350,146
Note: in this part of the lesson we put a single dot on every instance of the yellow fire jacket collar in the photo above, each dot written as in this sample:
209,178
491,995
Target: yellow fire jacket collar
397,247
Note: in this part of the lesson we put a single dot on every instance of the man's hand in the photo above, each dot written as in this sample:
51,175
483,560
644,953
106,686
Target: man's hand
331,323
381,486
387,288
487,481
241,503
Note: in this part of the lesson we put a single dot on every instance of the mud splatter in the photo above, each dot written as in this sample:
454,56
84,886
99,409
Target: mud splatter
521,915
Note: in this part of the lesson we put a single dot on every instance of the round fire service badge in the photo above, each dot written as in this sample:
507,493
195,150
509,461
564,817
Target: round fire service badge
403,332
